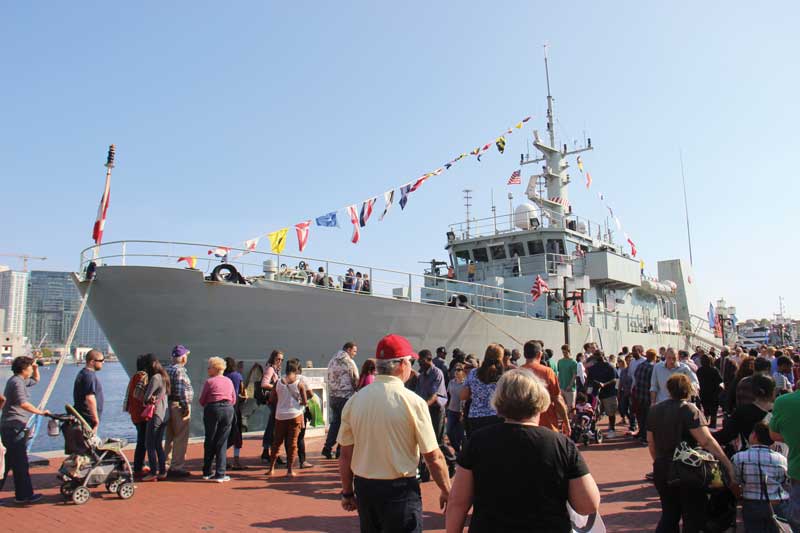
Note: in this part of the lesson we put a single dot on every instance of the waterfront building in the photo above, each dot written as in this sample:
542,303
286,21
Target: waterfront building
53,302
13,297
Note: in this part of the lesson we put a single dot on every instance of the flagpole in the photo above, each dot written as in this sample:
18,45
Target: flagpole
686,208
109,165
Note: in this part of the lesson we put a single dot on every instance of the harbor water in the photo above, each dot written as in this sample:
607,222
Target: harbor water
114,422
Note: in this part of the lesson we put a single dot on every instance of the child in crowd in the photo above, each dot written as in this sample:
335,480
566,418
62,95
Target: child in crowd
582,406
763,475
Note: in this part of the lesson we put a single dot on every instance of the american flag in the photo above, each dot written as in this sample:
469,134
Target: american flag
539,287
516,178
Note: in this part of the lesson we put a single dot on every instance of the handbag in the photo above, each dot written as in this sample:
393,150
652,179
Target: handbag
148,411
694,468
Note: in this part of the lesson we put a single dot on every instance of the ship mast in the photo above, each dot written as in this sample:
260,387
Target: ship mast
554,169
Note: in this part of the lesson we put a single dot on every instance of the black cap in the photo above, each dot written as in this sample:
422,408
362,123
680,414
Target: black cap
441,350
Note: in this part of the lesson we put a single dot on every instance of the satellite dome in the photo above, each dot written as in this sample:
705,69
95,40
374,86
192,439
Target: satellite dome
525,216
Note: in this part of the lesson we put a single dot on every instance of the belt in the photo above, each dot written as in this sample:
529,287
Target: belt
220,402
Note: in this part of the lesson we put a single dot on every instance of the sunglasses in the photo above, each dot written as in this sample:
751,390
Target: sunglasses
99,360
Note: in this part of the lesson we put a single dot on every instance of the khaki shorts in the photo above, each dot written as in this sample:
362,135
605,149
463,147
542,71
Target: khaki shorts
610,405
569,398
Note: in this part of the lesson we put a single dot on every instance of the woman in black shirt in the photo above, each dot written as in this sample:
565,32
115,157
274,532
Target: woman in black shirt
710,380
517,475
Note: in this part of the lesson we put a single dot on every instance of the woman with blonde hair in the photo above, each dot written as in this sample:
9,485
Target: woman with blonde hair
479,387
218,398
547,471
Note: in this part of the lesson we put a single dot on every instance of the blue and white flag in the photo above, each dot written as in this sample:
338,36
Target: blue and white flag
328,220
712,317
405,190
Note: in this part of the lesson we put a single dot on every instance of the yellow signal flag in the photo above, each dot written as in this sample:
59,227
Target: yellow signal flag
277,240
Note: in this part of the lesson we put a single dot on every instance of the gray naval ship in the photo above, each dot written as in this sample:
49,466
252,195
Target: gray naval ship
256,301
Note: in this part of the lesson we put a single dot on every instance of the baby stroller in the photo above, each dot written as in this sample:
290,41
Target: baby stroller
90,462
584,423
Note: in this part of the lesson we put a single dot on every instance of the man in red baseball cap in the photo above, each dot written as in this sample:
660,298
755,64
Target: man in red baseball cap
384,429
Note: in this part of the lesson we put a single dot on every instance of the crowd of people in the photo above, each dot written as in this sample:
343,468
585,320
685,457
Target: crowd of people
351,281
456,422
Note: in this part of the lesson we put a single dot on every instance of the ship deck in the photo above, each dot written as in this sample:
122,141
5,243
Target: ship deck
309,503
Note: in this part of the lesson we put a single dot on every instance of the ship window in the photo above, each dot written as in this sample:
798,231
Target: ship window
516,248
462,257
480,255
555,246
498,252
535,247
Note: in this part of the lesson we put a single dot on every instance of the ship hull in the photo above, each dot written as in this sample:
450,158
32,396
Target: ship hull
151,309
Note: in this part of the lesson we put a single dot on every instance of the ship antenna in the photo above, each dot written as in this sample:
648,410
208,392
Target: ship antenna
686,208
467,205
550,128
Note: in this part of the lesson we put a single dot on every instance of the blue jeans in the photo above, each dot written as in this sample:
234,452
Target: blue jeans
389,505
269,430
336,405
218,419
154,437
455,429
17,461
141,447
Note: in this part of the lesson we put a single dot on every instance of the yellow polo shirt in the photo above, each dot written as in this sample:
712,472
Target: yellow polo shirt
388,426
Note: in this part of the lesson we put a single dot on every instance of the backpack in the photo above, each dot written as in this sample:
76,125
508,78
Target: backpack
260,395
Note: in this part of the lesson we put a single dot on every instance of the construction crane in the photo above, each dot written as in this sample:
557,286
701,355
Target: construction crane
25,258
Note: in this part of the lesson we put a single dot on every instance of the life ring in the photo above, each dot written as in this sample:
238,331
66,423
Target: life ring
227,273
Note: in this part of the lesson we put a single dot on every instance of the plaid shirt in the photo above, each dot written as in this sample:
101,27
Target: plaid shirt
181,390
759,466
641,382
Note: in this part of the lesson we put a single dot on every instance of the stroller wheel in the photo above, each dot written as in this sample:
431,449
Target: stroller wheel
80,495
67,488
113,485
599,438
125,490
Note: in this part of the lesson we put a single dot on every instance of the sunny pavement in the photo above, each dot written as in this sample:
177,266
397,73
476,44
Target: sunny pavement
309,503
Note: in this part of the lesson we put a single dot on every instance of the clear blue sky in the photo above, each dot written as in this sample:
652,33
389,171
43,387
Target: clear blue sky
230,122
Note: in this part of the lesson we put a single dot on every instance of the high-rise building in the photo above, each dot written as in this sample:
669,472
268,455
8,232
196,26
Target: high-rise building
53,302
13,297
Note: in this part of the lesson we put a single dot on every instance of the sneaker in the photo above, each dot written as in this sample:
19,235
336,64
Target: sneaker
149,477
206,478
326,453
222,479
179,473
306,464
33,499
611,434
162,477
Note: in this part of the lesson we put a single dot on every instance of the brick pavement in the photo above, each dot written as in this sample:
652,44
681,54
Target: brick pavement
309,503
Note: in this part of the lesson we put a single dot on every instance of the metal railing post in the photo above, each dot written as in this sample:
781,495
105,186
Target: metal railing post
124,251
410,299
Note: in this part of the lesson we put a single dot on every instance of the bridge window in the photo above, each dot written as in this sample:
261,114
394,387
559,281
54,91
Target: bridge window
555,246
535,247
480,255
498,251
462,257
516,248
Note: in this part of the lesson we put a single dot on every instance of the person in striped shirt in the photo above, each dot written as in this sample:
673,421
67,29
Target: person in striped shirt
763,476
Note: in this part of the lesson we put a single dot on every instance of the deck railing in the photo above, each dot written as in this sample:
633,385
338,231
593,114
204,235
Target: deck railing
292,269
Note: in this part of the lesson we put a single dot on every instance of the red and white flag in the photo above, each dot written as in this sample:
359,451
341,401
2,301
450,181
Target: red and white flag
353,212
588,180
366,211
251,244
221,251
100,222
577,307
539,288
633,246
516,178
302,233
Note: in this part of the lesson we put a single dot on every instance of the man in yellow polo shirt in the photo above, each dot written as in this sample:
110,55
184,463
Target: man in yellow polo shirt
385,427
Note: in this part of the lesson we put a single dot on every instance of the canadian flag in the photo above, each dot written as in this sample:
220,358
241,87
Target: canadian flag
100,222
353,212
302,233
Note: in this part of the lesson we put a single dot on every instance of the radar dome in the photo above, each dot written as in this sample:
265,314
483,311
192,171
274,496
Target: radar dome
525,216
